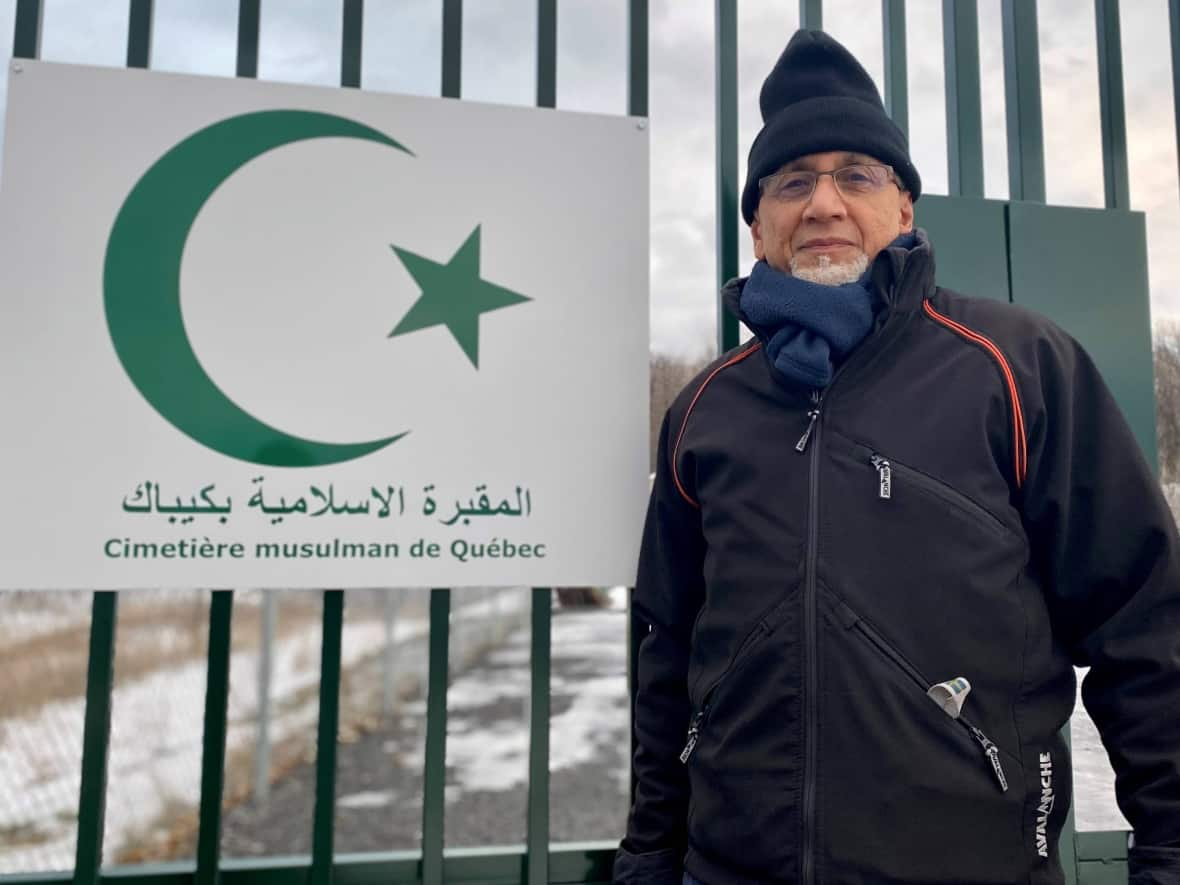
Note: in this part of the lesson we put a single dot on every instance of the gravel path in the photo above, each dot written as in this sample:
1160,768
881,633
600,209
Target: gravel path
379,774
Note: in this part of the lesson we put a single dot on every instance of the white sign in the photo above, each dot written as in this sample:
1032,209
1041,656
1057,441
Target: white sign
269,335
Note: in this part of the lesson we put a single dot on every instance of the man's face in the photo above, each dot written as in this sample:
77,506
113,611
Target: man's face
829,238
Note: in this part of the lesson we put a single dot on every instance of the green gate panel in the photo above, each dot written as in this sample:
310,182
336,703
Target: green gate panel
1093,872
970,243
1102,858
1086,269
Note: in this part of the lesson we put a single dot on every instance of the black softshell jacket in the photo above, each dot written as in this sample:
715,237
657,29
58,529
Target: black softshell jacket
964,500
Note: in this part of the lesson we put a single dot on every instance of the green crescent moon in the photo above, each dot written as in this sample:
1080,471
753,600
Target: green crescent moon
141,286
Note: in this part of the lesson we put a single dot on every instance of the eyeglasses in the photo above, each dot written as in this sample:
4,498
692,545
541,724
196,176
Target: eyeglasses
856,180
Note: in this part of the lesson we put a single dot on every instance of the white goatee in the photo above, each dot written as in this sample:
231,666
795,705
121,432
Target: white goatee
826,273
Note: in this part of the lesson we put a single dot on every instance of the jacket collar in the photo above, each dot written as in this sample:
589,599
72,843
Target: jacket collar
904,277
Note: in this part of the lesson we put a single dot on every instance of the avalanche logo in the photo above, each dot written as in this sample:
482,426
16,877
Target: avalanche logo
1045,808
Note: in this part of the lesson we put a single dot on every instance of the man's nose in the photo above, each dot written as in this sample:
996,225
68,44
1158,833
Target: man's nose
825,201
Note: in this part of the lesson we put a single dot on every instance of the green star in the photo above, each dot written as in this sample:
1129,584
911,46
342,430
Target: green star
453,295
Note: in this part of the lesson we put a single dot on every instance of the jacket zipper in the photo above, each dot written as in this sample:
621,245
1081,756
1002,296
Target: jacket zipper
885,469
813,415
811,738
698,720
811,689
990,750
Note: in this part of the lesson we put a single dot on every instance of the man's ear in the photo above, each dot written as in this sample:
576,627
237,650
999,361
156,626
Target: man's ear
906,211
756,234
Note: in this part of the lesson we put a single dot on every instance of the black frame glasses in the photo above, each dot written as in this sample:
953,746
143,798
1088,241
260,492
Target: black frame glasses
852,181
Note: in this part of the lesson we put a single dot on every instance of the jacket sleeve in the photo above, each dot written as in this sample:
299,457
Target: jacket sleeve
1105,544
668,593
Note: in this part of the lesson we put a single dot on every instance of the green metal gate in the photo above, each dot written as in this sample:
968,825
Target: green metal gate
975,237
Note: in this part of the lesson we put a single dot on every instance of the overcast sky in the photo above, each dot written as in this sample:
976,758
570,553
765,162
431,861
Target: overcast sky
402,39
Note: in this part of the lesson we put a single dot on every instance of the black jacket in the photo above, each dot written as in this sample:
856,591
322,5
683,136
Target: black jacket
964,500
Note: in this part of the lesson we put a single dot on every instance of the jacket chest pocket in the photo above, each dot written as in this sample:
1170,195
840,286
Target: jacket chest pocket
890,530
894,477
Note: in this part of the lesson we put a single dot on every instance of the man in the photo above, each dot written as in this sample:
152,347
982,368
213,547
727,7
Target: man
880,537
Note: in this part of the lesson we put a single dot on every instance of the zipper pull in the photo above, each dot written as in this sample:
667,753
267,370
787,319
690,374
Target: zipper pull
813,414
993,755
694,735
885,477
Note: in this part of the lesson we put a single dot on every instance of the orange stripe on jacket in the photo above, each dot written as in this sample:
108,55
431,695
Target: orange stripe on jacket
737,358
1020,440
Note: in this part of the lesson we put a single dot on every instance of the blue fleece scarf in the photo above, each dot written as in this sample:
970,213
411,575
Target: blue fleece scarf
808,327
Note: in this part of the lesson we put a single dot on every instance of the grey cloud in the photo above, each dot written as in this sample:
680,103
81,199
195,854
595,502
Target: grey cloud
300,42
195,38
401,47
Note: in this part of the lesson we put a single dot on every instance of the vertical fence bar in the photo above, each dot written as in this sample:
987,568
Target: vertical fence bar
139,34
537,822
964,109
546,53
637,53
391,605
100,683
897,102
1174,30
324,816
452,48
434,776
540,659
435,773
726,85
636,630
26,37
350,44
811,14
221,608
637,100
249,17
266,654
1022,93
1115,173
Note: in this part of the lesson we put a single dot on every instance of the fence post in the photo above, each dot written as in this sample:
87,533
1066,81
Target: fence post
391,605
265,668
1022,93
435,773
221,607
896,88
726,135
100,684
324,814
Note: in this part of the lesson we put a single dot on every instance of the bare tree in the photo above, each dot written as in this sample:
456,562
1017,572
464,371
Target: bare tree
669,375
1166,357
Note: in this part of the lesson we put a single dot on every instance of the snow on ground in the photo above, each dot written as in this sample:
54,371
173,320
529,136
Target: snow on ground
496,759
599,714
155,747
28,614
1093,778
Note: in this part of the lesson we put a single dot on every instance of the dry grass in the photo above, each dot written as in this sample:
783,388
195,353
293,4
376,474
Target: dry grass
151,634
173,833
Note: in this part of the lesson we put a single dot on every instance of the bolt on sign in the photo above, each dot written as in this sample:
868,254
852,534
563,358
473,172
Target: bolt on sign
269,335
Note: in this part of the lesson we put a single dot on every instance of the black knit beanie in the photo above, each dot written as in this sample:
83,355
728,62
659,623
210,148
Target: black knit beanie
819,98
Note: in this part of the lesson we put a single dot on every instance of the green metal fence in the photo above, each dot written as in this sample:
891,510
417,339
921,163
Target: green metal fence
1090,858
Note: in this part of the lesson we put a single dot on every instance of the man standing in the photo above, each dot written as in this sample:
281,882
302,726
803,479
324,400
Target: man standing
881,536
